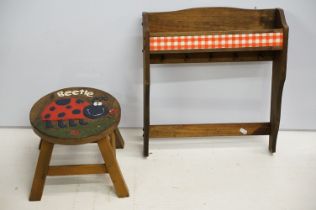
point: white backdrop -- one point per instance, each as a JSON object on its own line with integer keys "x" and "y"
{"x": 47, "y": 45}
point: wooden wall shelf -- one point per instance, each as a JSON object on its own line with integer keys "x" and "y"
{"x": 204, "y": 35}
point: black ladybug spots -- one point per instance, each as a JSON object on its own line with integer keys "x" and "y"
{"x": 63, "y": 101}
{"x": 47, "y": 116}
{"x": 52, "y": 108}
{"x": 61, "y": 114}
{"x": 79, "y": 101}
{"x": 76, "y": 111}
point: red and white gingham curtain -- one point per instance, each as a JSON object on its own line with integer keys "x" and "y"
{"x": 217, "y": 41}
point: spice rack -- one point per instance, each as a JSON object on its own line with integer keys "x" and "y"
{"x": 203, "y": 35}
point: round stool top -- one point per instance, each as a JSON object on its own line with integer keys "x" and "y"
{"x": 75, "y": 115}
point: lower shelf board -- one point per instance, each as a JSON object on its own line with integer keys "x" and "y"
{"x": 200, "y": 130}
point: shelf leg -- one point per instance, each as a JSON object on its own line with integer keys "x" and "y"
{"x": 146, "y": 120}
{"x": 146, "y": 95}
{"x": 278, "y": 79}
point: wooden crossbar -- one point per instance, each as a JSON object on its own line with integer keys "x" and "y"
{"x": 200, "y": 130}
{"x": 202, "y": 57}
{"x": 76, "y": 169}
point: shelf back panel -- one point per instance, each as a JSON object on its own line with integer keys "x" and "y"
{"x": 211, "y": 19}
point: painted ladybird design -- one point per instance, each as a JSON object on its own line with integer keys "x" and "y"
{"x": 72, "y": 110}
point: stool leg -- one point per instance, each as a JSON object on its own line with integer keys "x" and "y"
{"x": 113, "y": 143}
{"x": 119, "y": 139}
{"x": 40, "y": 144}
{"x": 41, "y": 171}
{"x": 113, "y": 167}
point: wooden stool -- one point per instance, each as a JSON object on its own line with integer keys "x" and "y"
{"x": 77, "y": 116}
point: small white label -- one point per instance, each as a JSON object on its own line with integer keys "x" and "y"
{"x": 243, "y": 131}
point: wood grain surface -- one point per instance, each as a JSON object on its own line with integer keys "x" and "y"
{"x": 199, "y": 21}
{"x": 99, "y": 115}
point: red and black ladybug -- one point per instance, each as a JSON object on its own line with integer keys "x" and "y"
{"x": 73, "y": 109}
